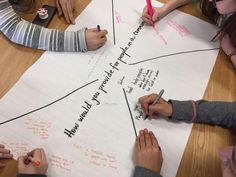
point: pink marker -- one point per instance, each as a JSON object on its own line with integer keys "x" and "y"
{"x": 150, "y": 10}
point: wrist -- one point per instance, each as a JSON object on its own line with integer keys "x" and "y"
{"x": 232, "y": 54}
{"x": 170, "y": 111}
{"x": 233, "y": 59}
{"x": 165, "y": 9}
{"x": 30, "y": 175}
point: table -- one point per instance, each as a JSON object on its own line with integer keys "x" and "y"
{"x": 200, "y": 157}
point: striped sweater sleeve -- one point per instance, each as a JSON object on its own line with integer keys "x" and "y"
{"x": 34, "y": 36}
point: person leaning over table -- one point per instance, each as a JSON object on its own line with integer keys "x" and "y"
{"x": 145, "y": 159}
{"x": 221, "y": 12}
{"x": 19, "y": 31}
{"x": 148, "y": 155}
{"x": 25, "y": 167}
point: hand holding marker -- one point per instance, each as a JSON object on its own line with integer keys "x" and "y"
{"x": 98, "y": 28}
{"x": 150, "y": 10}
{"x": 156, "y": 100}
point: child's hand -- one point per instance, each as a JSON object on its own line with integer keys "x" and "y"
{"x": 162, "y": 108}
{"x": 226, "y": 45}
{"x": 95, "y": 39}
{"x": 66, "y": 7}
{"x": 157, "y": 15}
{"x": 148, "y": 151}
{"x": 4, "y": 154}
{"x": 228, "y": 48}
{"x": 26, "y": 164}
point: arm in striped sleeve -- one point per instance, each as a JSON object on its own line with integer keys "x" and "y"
{"x": 34, "y": 36}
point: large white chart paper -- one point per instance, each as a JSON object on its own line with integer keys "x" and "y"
{"x": 78, "y": 106}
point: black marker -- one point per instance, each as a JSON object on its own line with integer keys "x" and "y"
{"x": 98, "y": 28}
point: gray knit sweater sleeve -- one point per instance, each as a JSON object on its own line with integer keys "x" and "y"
{"x": 144, "y": 172}
{"x": 216, "y": 113}
{"x": 30, "y": 35}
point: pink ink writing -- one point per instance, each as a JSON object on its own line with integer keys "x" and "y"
{"x": 118, "y": 17}
{"x": 160, "y": 35}
{"x": 180, "y": 29}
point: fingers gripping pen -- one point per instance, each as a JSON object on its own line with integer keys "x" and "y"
{"x": 150, "y": 10}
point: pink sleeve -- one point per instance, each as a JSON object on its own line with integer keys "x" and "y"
{"x": 228, "y": 159}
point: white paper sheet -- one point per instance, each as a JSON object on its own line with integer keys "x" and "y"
{"x": 83, "y": 93}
